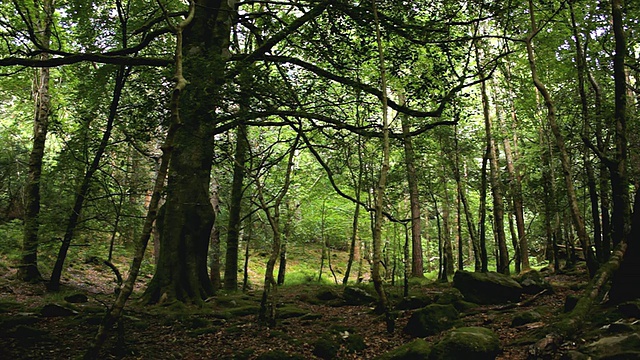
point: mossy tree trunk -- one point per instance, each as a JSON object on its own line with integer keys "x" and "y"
{"x": 185, "y": 227}
{"x": 28, "y": 270}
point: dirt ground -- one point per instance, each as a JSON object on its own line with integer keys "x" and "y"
{"x": 226, "y": 327}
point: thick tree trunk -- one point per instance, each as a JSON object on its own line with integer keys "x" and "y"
{"x": 621, "y": 215}
{"x": 233, "y": 229}
{"x": 115, "y": 312}
{"x": 625, "y": 282}
{"x": 28, "y": 270}
{"x": 181, "y": 273}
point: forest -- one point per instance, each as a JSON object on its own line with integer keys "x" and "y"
{"x": 295, "y": 179}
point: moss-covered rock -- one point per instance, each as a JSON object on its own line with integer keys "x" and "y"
{"x": 413, "y": 302}
{"x": 449, "y": 296}
{"x": 525, "y": 318}
{"x": 615, "y": 347}
{"x": 278, "y": 355}
{"x": 326, "y": 347}
{"x": 431, "y": 320}
{"x": 532, "y": 282}
{"x": 356, "y": 296}
{"x": 467, "y": 343}
{"x": 487, "y": 288}
{"x": 415, "y": 350}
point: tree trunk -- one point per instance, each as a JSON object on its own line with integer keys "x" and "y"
{"x": 482, "y": 213}
{"x": 267, "y": 312}
{"x": 181, "y": 273}
{"x": 496, "y": 188}
{"x": 74, "y": 217}
{"x": 447, "y": 249}
{"x": 383, "y": 302}
{"x": 233, "y": 229}
{"x": 515, "y": 180}
{"x": 625, "y": 281}
{"x": 417, "y": 269}
{"x": 28, "y": 270}
{"x": 115, "y": 312}
{"x": 576, "y": 216}
{"x": 215, "y": 240}
{"x": 621, "y": 215}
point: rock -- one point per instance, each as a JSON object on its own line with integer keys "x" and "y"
{"x": 356, "y": 296}
{"x": 570, "y": 302}
{"x": 76, "y": 298}
{"x": 449, "y": 296}
{"x": 326, "y": 348}
{"x": 575, "y": 355}
{"x": 354, "y": 343}
{"x": 476, "y": 343}
{"x": 55, "y": 310}
{"x": 532, "y": 282}
{"x": 525, "y": 318}
{"x": 630, "y": 309}
{"x": 487, "y": 288}
{"x": 24, "y": 332}
{"x": 615, "y": 347}
{"x": 431, "y": 320}
{"x": 413, "y": 302}
{"x": 279, "y": 355}
{"x": 415, "y": 350}
{"x": 327, "y": 294}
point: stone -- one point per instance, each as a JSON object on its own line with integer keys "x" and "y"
{"x": 630, "y": 309}
{"x": 55, "y": 310}
{"x": 615, "y": 347}
{"x": 76, "y": 298}
{"x": 431, "y": 320}
{"x": 418, "y": 349}
{"x": 449, "y": 296}
{"x": 413, "y": 302}
{"x": 476, "y": 343}
{"x": 357, "y": 296}
{"x": 326, "y": 348}
{"x": 525, "y": 318}
{"x": 532, "y": 282}
{"x": 487, "y": 288}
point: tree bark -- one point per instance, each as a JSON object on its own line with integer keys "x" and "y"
{"x": 417, "y": 269}
{"x": 383, "y": 302}
{"x": 235, "y": 208}
{"x": 181, "y": 273}
{"x": 74, "y": 217}
{"x": 576, "y": 216}
{"x": 28, "y": 270}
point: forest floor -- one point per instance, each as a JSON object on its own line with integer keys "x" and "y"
{"x": 226, "y": 327}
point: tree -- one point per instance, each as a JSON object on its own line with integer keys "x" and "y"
{"x": 28, "y": 270}
{"x": 576, "y": 216}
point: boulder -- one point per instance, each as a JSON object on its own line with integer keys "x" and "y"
{"x": 487, "y": 288}
{"x": 476, "y": 343}
{"x": 532, "y": 282}
{"x": 413, "y": 302}
{"x": 76, "y": 298}
{"x": 55, "y": 310}
{"x": 615, "y": 347}
{"x": 525, "y": 318}
{"x": 356, "y": 296}
{"x": 431, "y": 320}
{"x": 326, "y": 347}
{"x": 418, "y": 349}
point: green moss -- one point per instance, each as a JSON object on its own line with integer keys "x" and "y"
{"x": 415, "y": 350}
